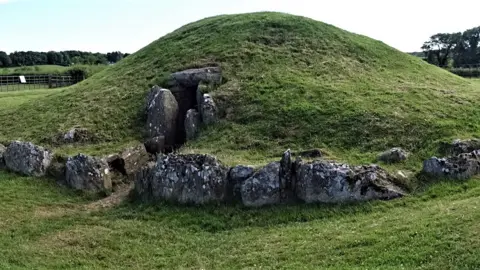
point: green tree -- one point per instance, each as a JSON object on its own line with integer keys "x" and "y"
{"x": 5, "y": 60}
{"x": 439, "y": 48}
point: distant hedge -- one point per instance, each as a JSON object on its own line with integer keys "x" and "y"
{"x": 466, "y": 72}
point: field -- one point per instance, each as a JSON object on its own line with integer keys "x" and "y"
{"x": 47, "y": 69}
{"x": 290, "y": 82}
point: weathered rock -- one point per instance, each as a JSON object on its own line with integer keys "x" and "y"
{"x": 325, "y": 182}
{"x": 2, "y": 160}
{"x": 393, "y": 155}
{"x": 134, "y": 158}
{"x": 285, "y": 174}
{"x": 192, "y": 77}
{"x": 209, "y": 110}
{"x": 458, "y": 147}
{"x": 155, "y": 145}
{"x": 192, "y": 124}
{"x": 88, "y": 174}
{"x": 162, "y": 111}
{"x": 77, "y": 135}
{"x": 312, "y": 153}
{"x": 27, "y": 158}
{"x": 459, "y": 167}
{"x": 186, "y": 179}
{"x": 56, "y": 170}
{"x": 236, "y": 177}
{"x": 263, "y": 188}
{"x": 201, "y": 89}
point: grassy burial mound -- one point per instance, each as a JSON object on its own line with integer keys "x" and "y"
{"x": 289, "y": 82}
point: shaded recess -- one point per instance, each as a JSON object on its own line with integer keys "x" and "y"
{"x": 184, "y": 86}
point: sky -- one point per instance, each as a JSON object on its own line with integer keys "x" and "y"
{"x": 129, "y": 25}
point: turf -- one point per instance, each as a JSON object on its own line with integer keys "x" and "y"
{"x": 46, "y": 227}
{"x": 291, "y": 82}
{"x": 47, "y": 69}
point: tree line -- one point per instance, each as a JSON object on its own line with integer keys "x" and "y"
{"x": 454, "y": 49}
{"x": 63, "y": 58}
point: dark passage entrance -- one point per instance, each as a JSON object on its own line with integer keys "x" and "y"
{"x": 186, "y": 99}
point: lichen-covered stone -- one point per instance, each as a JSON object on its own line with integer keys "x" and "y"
{"x": 162, "y": 110}
{"x": 155, "y": 145}
{"x": 88, "y": 173}
{"x": 192, "y": 124}
{"x": 185, "y": 179}
{"x": 263, "y": 188}
{"x": 458, "y": 147}
{"x": 459, "y": 167}
{"x": 27, "y": 158}
{"x": 393, "y": 155}
{"x": 325, "y": 182}
{"x": 209, "y": 110}
{"x": 236, "y": 177}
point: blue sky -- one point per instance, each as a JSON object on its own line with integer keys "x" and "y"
{"x": 128, "y": 25}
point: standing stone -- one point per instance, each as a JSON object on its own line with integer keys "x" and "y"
{"x": 27, "y": 158}
{"x": 162, "y": 111}
{"x": 185, "y": 179}
{"x": 393, "y": 155}
{"x": 201, "y": 89}
{"x": 324, "y": 182}
{"x": 236, "y": 177}
{"x": 2, "y": 159}
{"x": 88, "y": 174}
{"x": 155, "y": 145}
{"x": 209, "y": 110}
{"x": 192, "y": 123}
{"x": 263, "y": 188}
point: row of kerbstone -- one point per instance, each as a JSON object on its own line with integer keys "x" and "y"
{"x": 81, "y": 172}
{"x": 202, "y": 179}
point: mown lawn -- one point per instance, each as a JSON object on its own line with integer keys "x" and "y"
{"x": 43, "y": 226}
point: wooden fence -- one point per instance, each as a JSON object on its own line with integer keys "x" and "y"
{"x": 27, "y": 82}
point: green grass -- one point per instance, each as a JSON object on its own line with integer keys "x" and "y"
{"x": 291, "y": 82}
{"x": 47, "y": 69}
{"x": 13, "y": 99}
{"x": 46, "y": 227}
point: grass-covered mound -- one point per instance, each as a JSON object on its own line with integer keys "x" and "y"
{"x": 290, "y": 82}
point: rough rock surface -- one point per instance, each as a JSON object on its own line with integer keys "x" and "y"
{"x": 459, "y": 167}
{"x": 192, "y": 77}
{"x": 458, "y": 147}
{"x": 325, "y": 182}
{"x": 27, "y": 158}
{"x": 236, "y": 177}
{"x": 155, "y": 145}
{"x": 209, "y": 110}
{"x": 77, "y": 135}
{"x": 186, "y": 179}
{"x": 2, "y": 160}
{"x": 192, "y": 124}
{"x": 285, "y": 174}
{"x": 134, "y": 158}
{"x": 393, "y": 155}
{"x": 87, "y": 173}
{"x": 162, "y": 111}
{"x": 263, "y": 188}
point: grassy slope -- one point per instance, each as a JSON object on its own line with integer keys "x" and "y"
{"x": 44, "y": 227}
{"x": 291, "y": 82}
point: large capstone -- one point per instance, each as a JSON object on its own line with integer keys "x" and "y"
{"x": 192, "y": 124}
{"x": 162, "y": 111}
{"x": 192, "y": 77}
{"x": 459, "y": 167}
{"x": 209, "y": 110}
{"x": 27, "y": 158}
{"x": 325, "y": 182}
{"x": 2, "y": 159}
{"x": 263, "y": 188}
{"x": 88, "y": 173}
{"x": 185, "y": 179}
